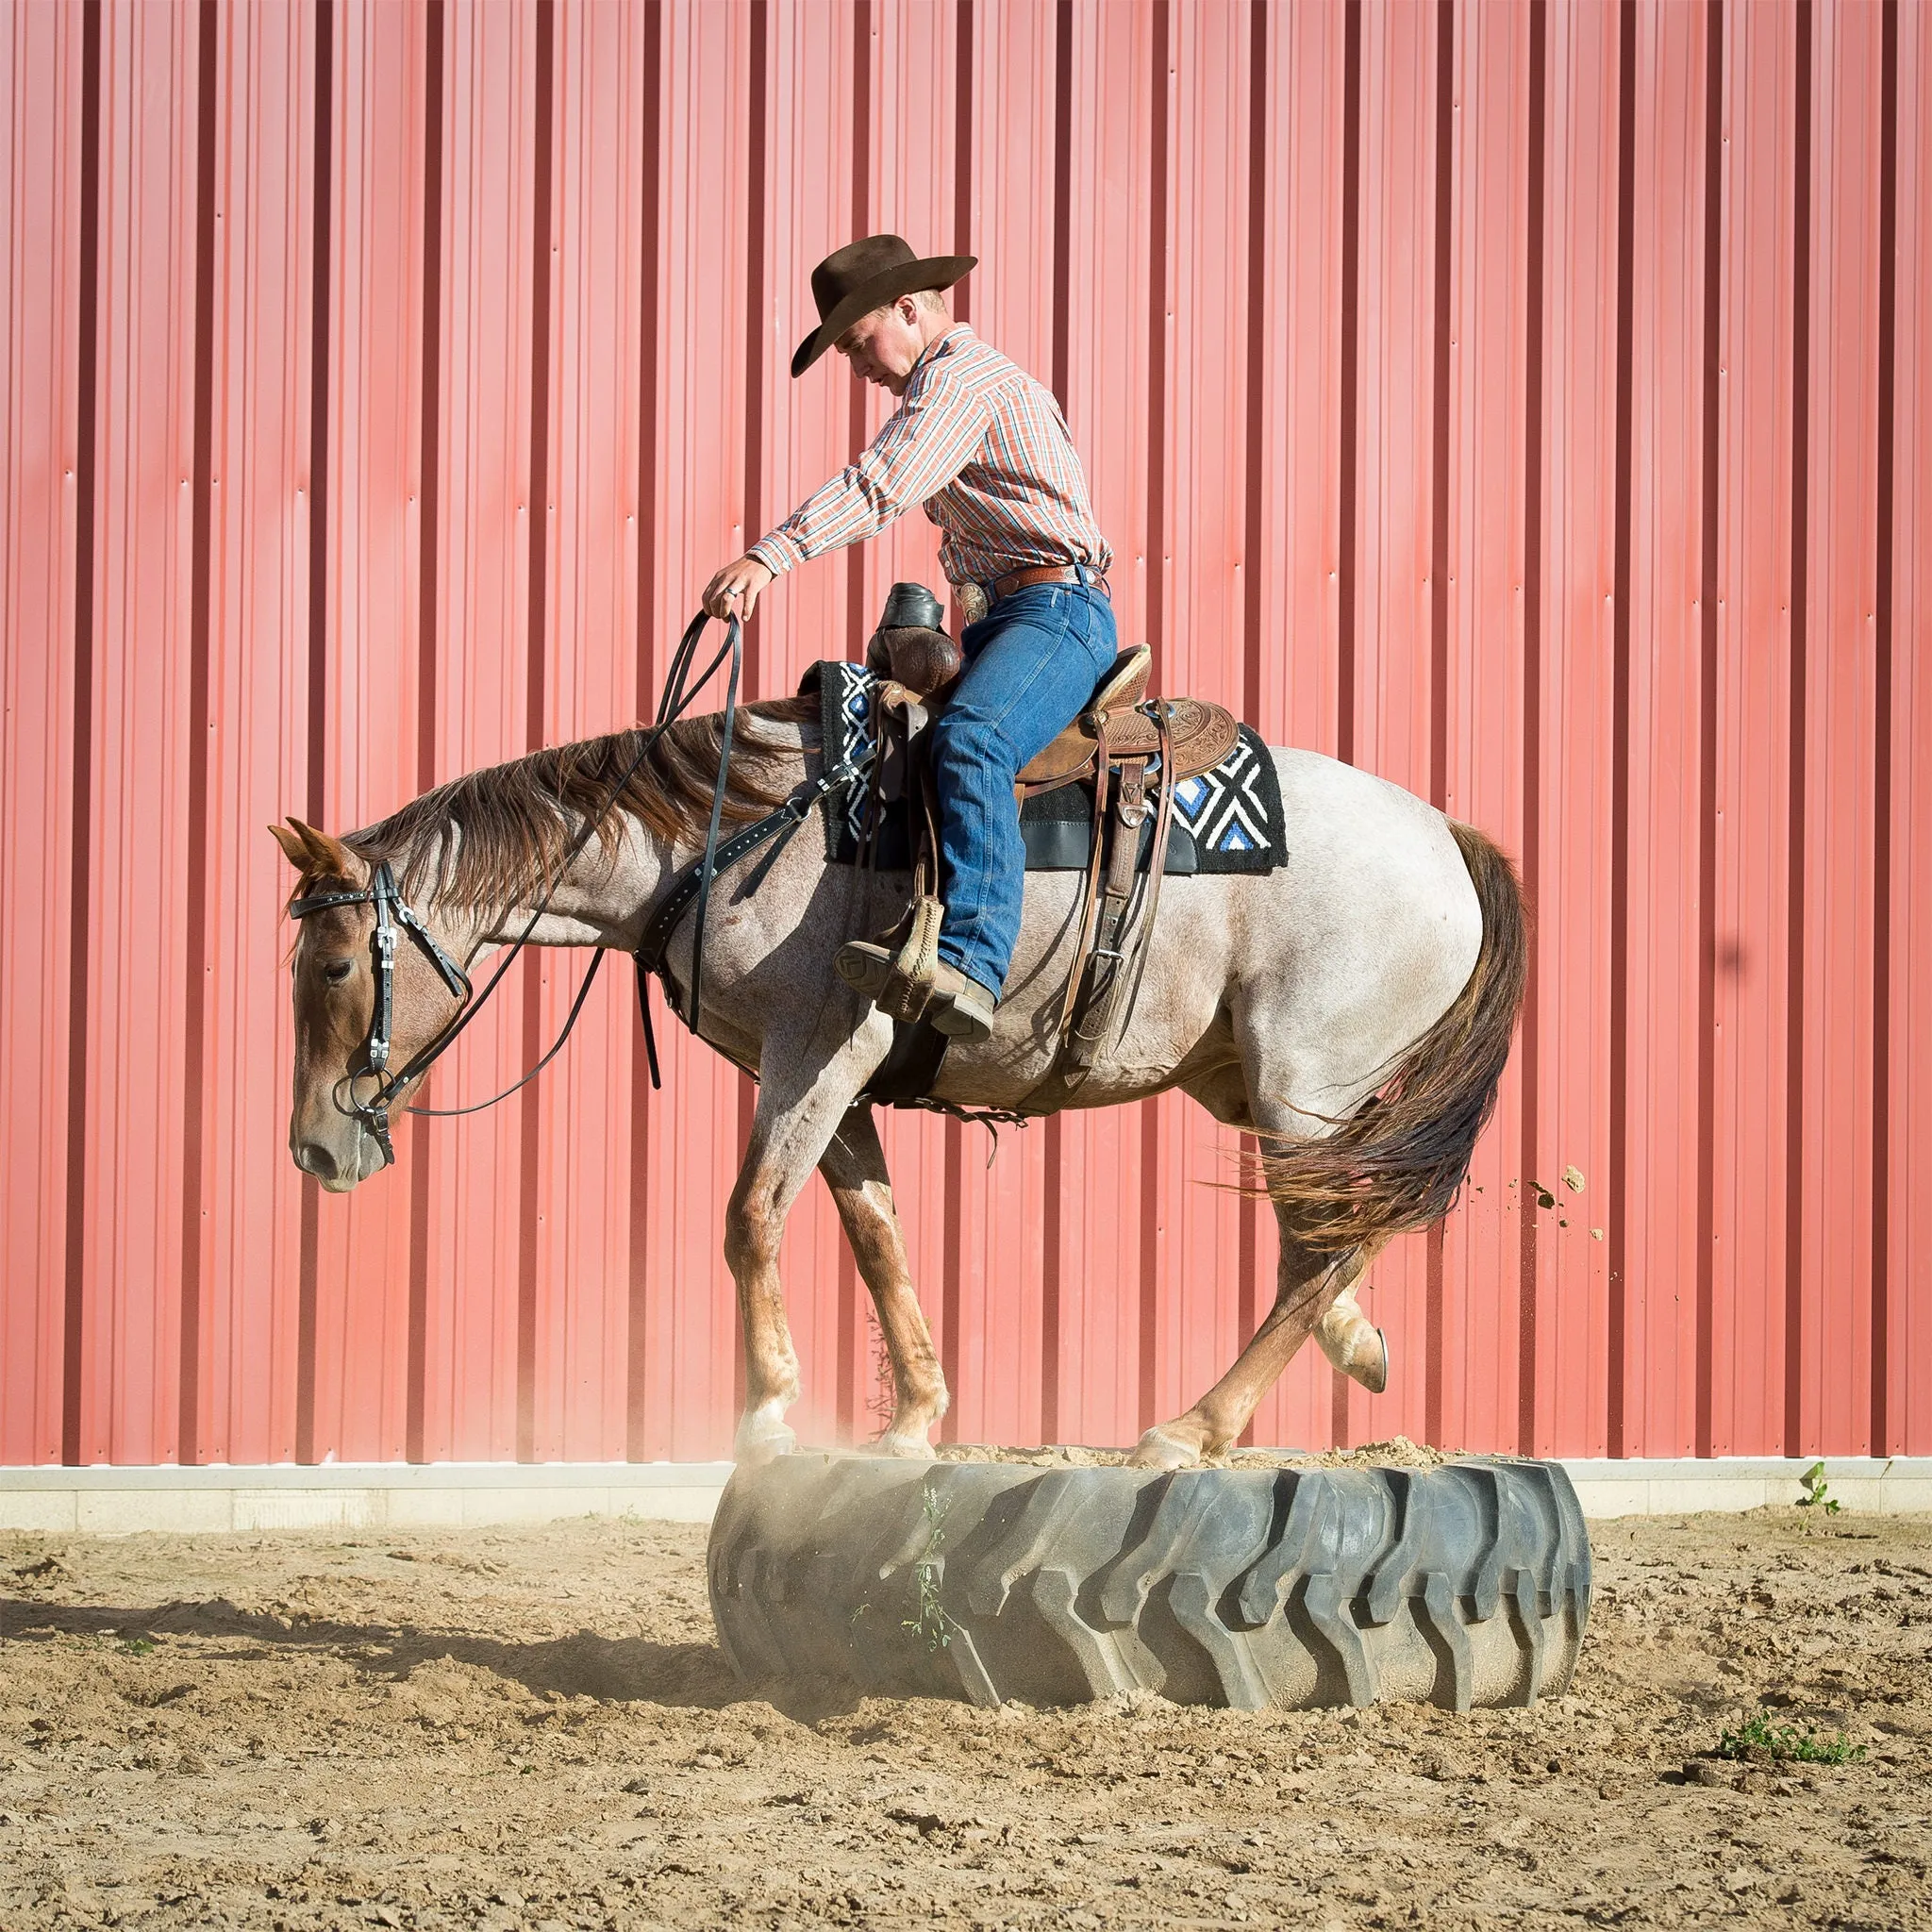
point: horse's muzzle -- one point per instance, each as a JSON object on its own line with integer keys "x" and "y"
{"x": 335, "y": 1172}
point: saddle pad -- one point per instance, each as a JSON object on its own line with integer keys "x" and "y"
{"x": 1225, "y": 820}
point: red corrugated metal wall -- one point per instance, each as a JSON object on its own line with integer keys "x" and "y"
{"x": 1531, "y": 402}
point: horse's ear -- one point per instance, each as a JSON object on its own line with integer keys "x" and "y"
{"x": 319, "y": 856}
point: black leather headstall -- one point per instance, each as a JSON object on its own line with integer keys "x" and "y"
{"x": 392, "y": 912}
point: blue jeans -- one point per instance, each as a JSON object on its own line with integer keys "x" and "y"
{"x": 1031, "y": 665}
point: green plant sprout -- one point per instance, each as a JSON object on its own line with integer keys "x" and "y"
{"x": 1815, "y": 1494}
{"x": 932, "y": 1624}
{"x": 884, "y": 1398}
{"x": 1758, "y": 1741}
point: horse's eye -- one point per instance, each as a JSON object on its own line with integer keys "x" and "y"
{"x": 338, "y": 969}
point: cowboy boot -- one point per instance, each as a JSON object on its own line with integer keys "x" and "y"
{"x": 958, "y": 1007}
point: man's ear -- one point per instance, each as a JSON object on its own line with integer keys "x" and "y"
{"x": 318, "y": 855}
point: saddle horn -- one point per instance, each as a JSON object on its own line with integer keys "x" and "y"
{"x": 910, "y": 644}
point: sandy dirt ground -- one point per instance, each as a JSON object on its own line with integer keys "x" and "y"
{"x": 535, "y": 1728}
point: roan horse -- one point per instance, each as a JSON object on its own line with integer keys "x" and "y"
{"x": 1353, "y": 1008}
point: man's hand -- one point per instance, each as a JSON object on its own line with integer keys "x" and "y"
{"x": 741, "y": 580}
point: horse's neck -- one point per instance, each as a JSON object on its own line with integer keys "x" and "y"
{"x": 606, "y": 896}
{"x": 603, "y": 900}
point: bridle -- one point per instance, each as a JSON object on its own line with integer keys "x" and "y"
{"x": 692, "y": 886}
{"x": 393, "y": 913}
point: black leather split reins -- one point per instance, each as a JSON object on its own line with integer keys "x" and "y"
{"x": 392, "y": 913}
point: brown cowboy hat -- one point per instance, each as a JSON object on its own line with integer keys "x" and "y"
{"x": 863, "y": 275}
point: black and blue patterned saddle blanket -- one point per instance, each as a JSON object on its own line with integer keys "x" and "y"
{"x": 1225, "y": 820}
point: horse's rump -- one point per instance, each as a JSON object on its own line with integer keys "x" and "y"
{"x": 1400, "y": 1160}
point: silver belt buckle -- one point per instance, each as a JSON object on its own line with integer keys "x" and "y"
{"x": 971, "y": 602}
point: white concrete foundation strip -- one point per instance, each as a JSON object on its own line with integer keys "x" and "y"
{"x": 343, "y": 1495}
{"x": 117, "y": 1500}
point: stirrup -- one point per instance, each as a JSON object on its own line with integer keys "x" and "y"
{"x": 902, "y": 985}
{"x": 864, "y": 966}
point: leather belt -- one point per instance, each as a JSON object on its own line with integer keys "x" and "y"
{"x": 975, "y": 600}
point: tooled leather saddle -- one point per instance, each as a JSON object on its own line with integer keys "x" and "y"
{"x": 1120, "y": 740}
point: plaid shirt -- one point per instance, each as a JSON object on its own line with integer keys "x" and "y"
{"x": 985, "y": 448}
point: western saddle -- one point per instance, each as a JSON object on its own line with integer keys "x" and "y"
{"x": 1119, "y": 738}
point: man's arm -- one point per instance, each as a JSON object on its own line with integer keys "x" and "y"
{"x": 924, "y": 444}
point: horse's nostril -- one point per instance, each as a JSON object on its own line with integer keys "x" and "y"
{"x": 311, "y": 1156}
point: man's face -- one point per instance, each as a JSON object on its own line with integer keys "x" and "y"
{"x": 883, "y": 346}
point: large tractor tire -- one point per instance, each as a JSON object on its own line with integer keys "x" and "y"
{"x": 1464, "y": 1585}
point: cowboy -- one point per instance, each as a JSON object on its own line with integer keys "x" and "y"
{"x": 985, "y": 449}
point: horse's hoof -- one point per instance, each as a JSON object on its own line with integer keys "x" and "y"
{"x": 1374, "y": 1374}
{"x": 1354, "y": 1345}
{"x": 1156, "y": 1449}
{"x": 762, "y": 1438}
{"x": 910, "y": 1448}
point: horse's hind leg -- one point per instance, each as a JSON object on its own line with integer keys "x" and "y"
{"x": 853, "y": 1166}
{"x": 1307, "y": 1285}
{"x": 1312, "y": 1296}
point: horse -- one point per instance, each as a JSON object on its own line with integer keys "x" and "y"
{"x": 1352, "y": 1008}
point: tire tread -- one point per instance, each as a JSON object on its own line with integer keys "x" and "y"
{"x": 1466, "y": 1584}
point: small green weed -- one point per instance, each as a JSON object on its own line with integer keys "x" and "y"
{"x": 1815, "y": 1494}
{"x": 883, "y": 1402}
{"x": 1757, "y": 1740}
{"x": 137, "y": 1646}
{"x": 932, "y": 1624}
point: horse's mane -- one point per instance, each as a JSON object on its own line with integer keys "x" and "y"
{"x": 488, "y": 838}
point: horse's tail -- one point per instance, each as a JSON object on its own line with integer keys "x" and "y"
{"x": 1400, "y": 1160}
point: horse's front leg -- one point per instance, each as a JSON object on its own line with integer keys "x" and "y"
{"x": 799, "y": 1108}
{"x": 853, "y": 1166}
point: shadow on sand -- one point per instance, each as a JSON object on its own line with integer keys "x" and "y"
{"x": 612, "y": 1669}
